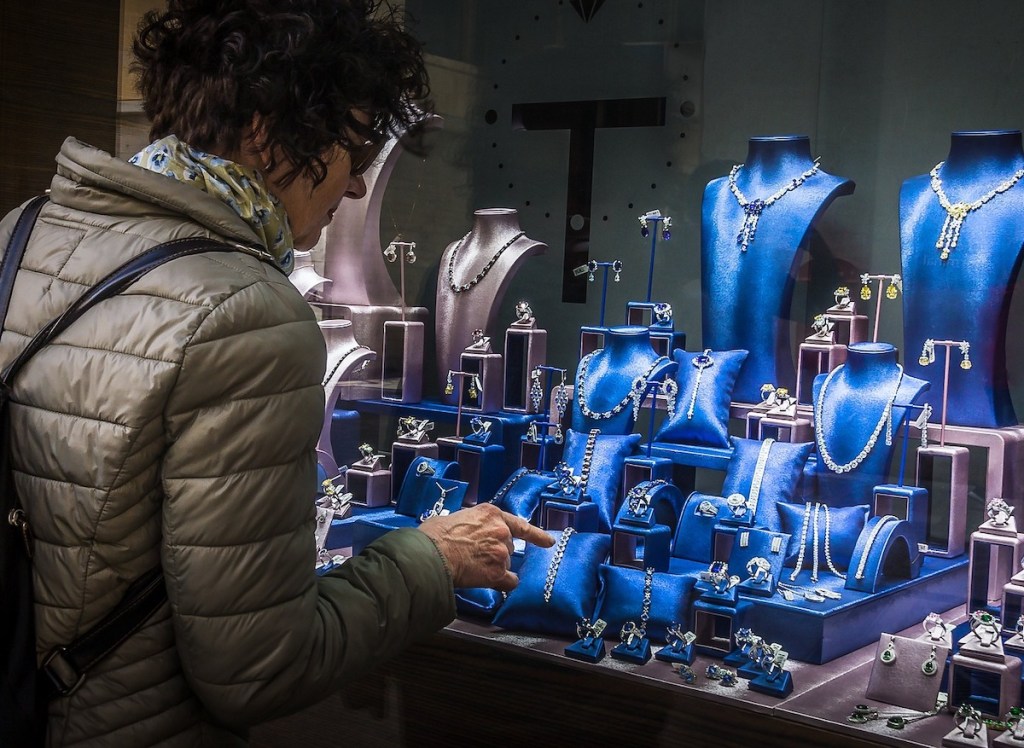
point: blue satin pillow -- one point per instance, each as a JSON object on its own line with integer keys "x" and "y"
{"x": 610, "y": 453}
{"x": 622, "y": 597}
{"x": 709, "y": 426}
{"x": 520, "y": 494}
{"x": 845, "y": 525}
{"x": 573, "y": 595}
{"x": 695, "y": 532}
{"x": 781, "y": 476}
{"x": 477, "y": 601}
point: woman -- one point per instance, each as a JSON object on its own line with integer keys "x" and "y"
{"x": 175, "y": 425}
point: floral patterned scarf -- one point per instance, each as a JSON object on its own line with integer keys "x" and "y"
{"x": 242, "y": 189}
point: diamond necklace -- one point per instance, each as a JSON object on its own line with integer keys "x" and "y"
{"x": 819, "y": 429}
{"x": 752, "y": 209}
{"x": 581, "y": 397}
{"x": 956, "y": 213}
{"x": 460, "y": 287}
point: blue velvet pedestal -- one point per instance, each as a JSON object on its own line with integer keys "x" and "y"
{"x": 368, "y": 528}
{"x": 639, "y": 653}
{"x": 676, "y": 654}
{"x": 909, "y": 503}
{"x": 559, "y": 510}
{"x": 638, "y": 469}
{"x": 780, "y": 686}
{"x": 715, "y": 620}
{"x": 581, "y": 649}
{"x": 892, "y": 554}
{"x": 481, "y": 466}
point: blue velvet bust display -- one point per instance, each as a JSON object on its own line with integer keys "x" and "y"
{"x": 967, "y": 296}
{"x": 627, "y": 354}
{"x": 746, "y": 296}
{"x": 855, "y": 401}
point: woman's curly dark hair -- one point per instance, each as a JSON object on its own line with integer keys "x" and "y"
{"x": 205, "y": 67}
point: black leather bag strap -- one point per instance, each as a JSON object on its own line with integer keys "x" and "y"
{"x": 16, "y": 250}
{"x": 113, "y": 284}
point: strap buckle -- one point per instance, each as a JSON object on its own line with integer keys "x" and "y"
{"x": 62, "y": 673}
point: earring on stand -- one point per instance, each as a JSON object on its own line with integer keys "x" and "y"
{"x": 666, "y": 224}
{"x": 894, "y": 288}
{"x": 536, "y": 390}
{"x": 930, "y": 666}
{"x": 644, "y": 231}
{"x": 927, "y": 353}
{"x": 617, "y": 269}
{"x": 391, "y": 252}
{"x": 474, "y": 387}
{"x": 559, "y": 436}
{"x": 636, "y": 394}
{"x": 410, "y": 253}
{"x": 670, "y": 389}
{"x": 561, "y": 397}
{"x": 865, "y": 288}
{"x": 591, "y": 269}
{"x": 449, "y": 387}
{"x": 965, "y": 350}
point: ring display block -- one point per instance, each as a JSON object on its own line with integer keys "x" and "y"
{"x": 370, "y": 488}
{"x": 715, "y": 625}
{"x": 814, "y": 359}
{"x": 1012, "y": 607}
{"x": 991, "y": 686}
{"x": 489, "y": 368}
{"x": 942, "y": 471}
{"x": 677, "y": 653}
{"x": 447, "y": 447}
{"x": 401, "y": 377}
{"x": 637, "y": 652}
{"x": 525, "y": 349}
{"x": 778, "y": 685}
{"x": 641, "y": 547}
{"x": 402, "y": 455}
{"x": 591, "y": 338}
{"x": 558, "y": 515}
{"x": 481, "y": 467}
{"x": 532, "y": 452}
{"x": 587, "y": 650}
{"x": 903, "y": 502}
{"x": 995, "y": 554}
{"x": 847, "y": 328}
{"x": 784, "y": 428}
{"x": 636, "y": 470}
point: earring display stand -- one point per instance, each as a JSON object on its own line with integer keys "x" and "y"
{"x": 538, "y": 449}
{"x": 592, "y": 337}
{"x": 903, "y": 681}
{"x": 526, "y": 348}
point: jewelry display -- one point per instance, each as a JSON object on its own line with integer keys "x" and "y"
{"x": 686, "y": 673}
{"x": 481, "y": 429}
{"x": 842, "y": 297}
{"x": 888, "y": 655}
{"x": 581, "y": 396}
{"x": 759, "y": 570}
{"x": 670, "y": 390}
{"x": 968, "y": 721}
{"x": 510, "y": 483}
{"x": 819, "y": 509}
{"x": 588, "y": 459}
{"x": 438, "y": 510}
{"x": 956, "y": 213}
{"x": 892, "y": 291}
{"x": 462, "y": 287}
{"x": 556, "y": 562}
{"x": 341, "y": 359}
{"x": 930, "y": 666}
{"x": 752, "y": 209}
{"x": 936, "y": 629}
{"x": 635, "y": 647}
{"x": 588, "y": 632}
{"x": 701, "y": 362}
{"x": 561, "y": 397}
{"x": 884, "y": 421}
{"x": 790, "y": 592}
{"x": 424, "y": 468}
{"x": 759, "y": 469}
{"x": 871, "y": 542}
{"x": 965, "y": 352}
{"x": 862, "y": 714}
{"x": 449, "y": 386}
{"x": 536, "y": 390}
{"x": 706, "y": 509}
{"x": 822, "y": 326}
{"x": 414, "y": 429}
{"x": 679, "y": 647}
{"x": 480, "y": 342}
{"x": 369, "y": 457}
{"x": 335, "y": 498}
{"x": 719, "y": 578}
{"x": 662, "y": 313}
{"x": 566, "y": 480}
{"x": 999, "y": 512}
{"x": 1015, "y": 724}
{"x": 767, "y": 395}
{"x": 638, "y": 500}
{"x": 783, "y": 403}
{"x": 737, "y": 505}
{"x": 927, "y": 353}
{"x": 558, "y": 436}
{"x": 524, "y": 314}
{"x": 985, "y": 627}
{"x": 773, "y": 661}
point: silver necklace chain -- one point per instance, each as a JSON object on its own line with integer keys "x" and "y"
{"x": 334, "y": 369}
{"x": 581, "y": 396}
{"x": 870, "y": 542}
{"x": 819, "y": 429}
{"x": 460, "y": 287}
{"x": 509, "y": 484}
{"x": 645, "y": 613}
{"x": 752, "y": 209}
{"x": 956, "y": 213}
{"x": 818, "y": 507}
{"x": 556, "y": 561}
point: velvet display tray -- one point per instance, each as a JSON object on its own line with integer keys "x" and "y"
{"x": 820, "y": 632}
{"x": 823, "y": 695}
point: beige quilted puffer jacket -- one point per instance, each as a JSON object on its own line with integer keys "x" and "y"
{"x": 176, "y": 424}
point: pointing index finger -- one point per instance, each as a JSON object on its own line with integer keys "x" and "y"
{"x": 520, "y": 528}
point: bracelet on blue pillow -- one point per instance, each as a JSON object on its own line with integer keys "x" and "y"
{"x": 622, "y": 597}
{"x": 558, "y": 586}
{"x": 606, "y": 463}
{"x": 777, "y": 482}
{"x": 520, "y": 494}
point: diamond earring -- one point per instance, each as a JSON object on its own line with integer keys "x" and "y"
{"x": 888, "y": 655}
{"x": 965, "y": 349}
{"x": 449, "y": 387}
{"x": 865, "y": 289}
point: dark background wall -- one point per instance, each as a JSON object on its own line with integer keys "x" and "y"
{"x": 58, "y": 77}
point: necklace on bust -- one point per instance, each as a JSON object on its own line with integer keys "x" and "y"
{"x": 460, "y": 287}
{"x": 581, "y": 396}
{"x": 956, "y": 213}
{"x": 752, "y": 209}
{"x": 819, "y": 429}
